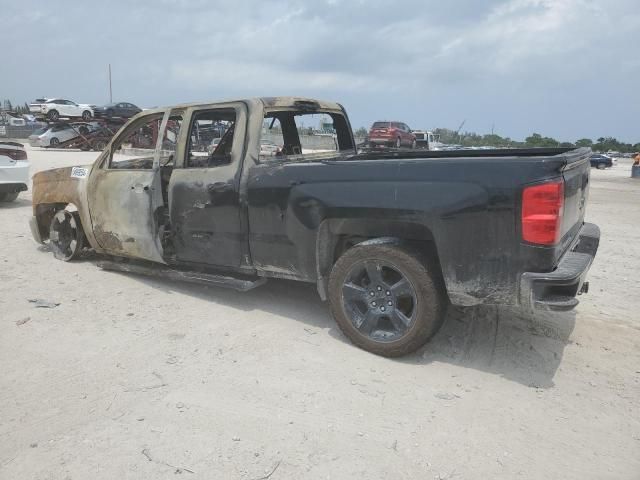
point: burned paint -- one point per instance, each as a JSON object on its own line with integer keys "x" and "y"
{"x": 57, "y": 189}
{"x": 108, "y": 240}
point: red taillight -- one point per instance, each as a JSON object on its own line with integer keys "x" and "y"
{"x": 542, "y": 209}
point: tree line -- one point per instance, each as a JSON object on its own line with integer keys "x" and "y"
{"x": 472, "y": 139}
{"x": 19, "y": 109}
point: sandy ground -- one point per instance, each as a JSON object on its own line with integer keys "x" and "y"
{"x": 131, "y": 377}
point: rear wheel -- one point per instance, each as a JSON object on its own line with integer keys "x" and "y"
{"x": 8, "y": 197}
{"x": 66, "y": 237}
{"x": 398, "y": 143}
{"x": 385, "y": 299}
{"x": 54, "y": 141}
{"x": 110, "y": 113}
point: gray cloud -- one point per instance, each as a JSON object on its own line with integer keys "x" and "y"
{"x": 566, "y": 68}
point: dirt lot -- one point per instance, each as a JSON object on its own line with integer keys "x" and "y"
{"x": 131, "y": 377}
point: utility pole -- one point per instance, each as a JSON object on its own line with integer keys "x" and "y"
{"x": 110, "y": 93}
{"x": 460, "y": 128}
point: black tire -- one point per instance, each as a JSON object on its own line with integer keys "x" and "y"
{"x": 109, "y": 113}
{"x": 425, "y": 302}
{"x": 54, "y": 141}
{"x": 86, "y": 115}
{"x": 399, "y": 143}
{"x": 9, "y": 197}
{"x": 601, "y": 166}
{"x": 53, "y": 115}
{"x": 66, "y": 237}
{"x": 414, "y": 144}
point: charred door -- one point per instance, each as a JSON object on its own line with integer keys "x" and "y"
{"x": 204, "y": 195}
{"x": 125, "y": 193}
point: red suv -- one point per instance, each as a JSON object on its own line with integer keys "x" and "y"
{"x": 392, "y": 134}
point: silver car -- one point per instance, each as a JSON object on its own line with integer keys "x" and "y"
{"x": 14, "y": 170}
{"x": 59, "y": 133}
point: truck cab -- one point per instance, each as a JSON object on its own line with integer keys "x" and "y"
{"x": 427, "y": 140}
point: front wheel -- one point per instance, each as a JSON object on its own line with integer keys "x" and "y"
{"x": 386, "y": 299}
{"x": 86, "y": 115}
{"x": 601, "y": 166}
{"x": 66, "y": 237}
{"x": 53, "y": 115}
{"x": 414, "y": 144}
{"x": 54, "y": 141}
{"x": 398, "y": 143}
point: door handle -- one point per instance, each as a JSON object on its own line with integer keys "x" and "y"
{"x": 219, "y": 187}
{"x": 138, "y": 188}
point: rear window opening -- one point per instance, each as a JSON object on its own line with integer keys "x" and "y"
{"x": 381, "y": 125}
{"x": 295, "y": 135}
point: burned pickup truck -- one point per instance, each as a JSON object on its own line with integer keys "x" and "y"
{"x": 389, "y": 238}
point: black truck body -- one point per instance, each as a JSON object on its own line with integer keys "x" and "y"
{"x": 294, "y": 214}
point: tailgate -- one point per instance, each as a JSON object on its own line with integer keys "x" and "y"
{"x": 576, "y": 174}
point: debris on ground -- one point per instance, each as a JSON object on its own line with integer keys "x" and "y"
{"x": 178, "y": 470}
{"x": 268, "y": 475}
{"x": 22, "y": 321}
{"x": 446, "y": 396}
{"x": 40, "y": 303}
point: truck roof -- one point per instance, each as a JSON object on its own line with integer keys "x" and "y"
{"x": 267, "y": 102}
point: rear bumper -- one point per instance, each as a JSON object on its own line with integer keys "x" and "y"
{"x": 13, "y": 187}
{"x": 557, "y": 290}
{"x": 14, "y": 177}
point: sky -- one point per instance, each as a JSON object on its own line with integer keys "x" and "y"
{"x": 567, "y": 69}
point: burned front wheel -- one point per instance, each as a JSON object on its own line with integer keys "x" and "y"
{"x": 386, "y": 299}
{"x": 66, "y": 237}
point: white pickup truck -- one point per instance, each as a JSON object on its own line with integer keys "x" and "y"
{"x": 54, "y": 108}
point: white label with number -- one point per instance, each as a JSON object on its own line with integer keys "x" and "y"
{"x": 79, "y": 172}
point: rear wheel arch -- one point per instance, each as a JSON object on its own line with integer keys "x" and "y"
{"x": 386, "y": 297}
{"x": 335, "y": 237}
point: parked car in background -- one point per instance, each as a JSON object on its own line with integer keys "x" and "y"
{"x": 601, "y": 161}
{"x": 54, "y": 108}
{"x": 14, "y": 170}
{"x": 12, "y": 119}
{"x": 428, "y": 140}
{"x": 391, "y": 134}
{"x": 53, "y": 135}
{"x": 268, "y": 148}
{"x": 121, "y": 110}
{"x": 213, "y": 145}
